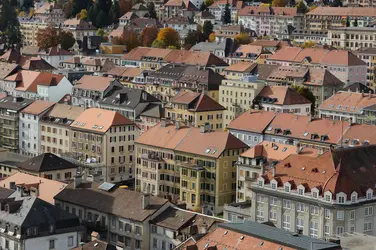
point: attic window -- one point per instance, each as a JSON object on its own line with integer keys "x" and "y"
{"x": 339, "y": 106}
{"x": 82, "y": 124}
{"x": 95, "y": 126}
{"x": 76, "y": 123}
{"x": 100, "y": 127}
{"x": 207, "y": 151}
{"x": 269, "y": 128}
{"x": 305, "y": 134}
{"x": 284, "y": 149}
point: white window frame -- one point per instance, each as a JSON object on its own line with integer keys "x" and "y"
{"x": 274, "y": 201}
{"x": 367, "y": 226}
{"x": 300, "y": 207}
{"x": 326, "y": 229}
{"x": 315, "y": 210}
{"x": 286, "y": 222}
{"x": 313, "y": 228}
{"x": 260, "y": 214}
{"x": 368, "y": 211}
{"x": 300, "y": 223}
{"x": 340, "y": 215}
{"x": 273, "y": 215}
{"x": 286, "y": 204}
{"x": 340, "y": 230}
{"x": 327, "y": 213}
{"x": 352, "y": 215}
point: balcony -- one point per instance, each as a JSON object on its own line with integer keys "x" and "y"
{"x": 152, "y": 157}
{"x": 9, "y": 117}
{"x": 189, "y": 164}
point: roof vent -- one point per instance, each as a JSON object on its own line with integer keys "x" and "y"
{"x": 242, "y": 237}
{"x": 315, "y": 170}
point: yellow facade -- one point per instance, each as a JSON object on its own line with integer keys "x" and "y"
{"x": 112, "y": 49}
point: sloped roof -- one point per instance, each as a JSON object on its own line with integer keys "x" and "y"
{"x": 37, "y": 107}
{"x": 284, "y": 95}
{"x": 46, "y": 162}
{"x": 243, "y": 122}
{"x": 98, "y": 83}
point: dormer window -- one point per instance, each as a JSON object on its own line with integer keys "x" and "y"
{"x": 287, "y": 187}
{"x": 260, "y": 182}
{"x": 301, "y": 190}
{"x": 341, "y": 198}
{"x": 274, "y": 184}
{"x": 369, "y": 194}
{"x": 315, "y": 194}
{"x": 354, "y": 197}
{"x": 328, "y": 197}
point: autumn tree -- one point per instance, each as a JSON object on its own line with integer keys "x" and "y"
{"x": 226, "y": 18}
{"x": 169, "y": 36}
{"x": 10, "y": 33}
{"x": 208, "y": 2}
{"x": 47, "y": 38}
{"x": 279, "y": 3}
{"x": 158, "y": 44}
{"x": 148, "y": 35}
{"x": 67, "y": 9}
{"x": 82, "y": 15}
{"x": 308, "y": 44}
{"x": 347, "y": 22}
{"x": 301, "y": 7}
{"x": 212, "y": 37}
{"x": 125, "y": 6}
{"x": 355, "y": 22}
{"x": 66, "y": 39}
{"x": 243, "y": 38}
{"x": 207, "y": 29}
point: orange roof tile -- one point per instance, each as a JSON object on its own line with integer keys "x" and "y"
{"x": 98, "y": 83}
{"x": 343, "y": 11}
{"x": 243, "y": 122}
{"x": 37, "y": 107}
{"x": 257, "y": 10}
{"x": 99, "y": 120}
{"x": 284, "y": 95}
{"x": 241, "y": 67}
{"x": 184, "y": 97}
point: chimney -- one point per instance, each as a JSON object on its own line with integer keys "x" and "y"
{"x": 146, "y": 198}
{"x": 77, "y": 180}
{"x": 95, "y": 236}
{"x": 177, "y": 125}
{"x": 205, "y": 128}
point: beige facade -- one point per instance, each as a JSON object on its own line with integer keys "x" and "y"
{"x": 56, "y": 175}
{"x": 237, "y": 96}
{"x": 29, "y": 30}
{"x": 352, "y": 38}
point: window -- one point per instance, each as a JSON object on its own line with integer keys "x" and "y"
{"x": 299, "y": 207}
{"x": 274, "y": 185}
{"x": 286, "y": 222}
{"x": 138, "y": 230}
{"x": 301, "y": 191}
{"x": 353, "y": 198}
{"x": 260, "y": 214}
{"x": 314, "y": 225}
{"x": 326, "y": 229}
{"x": 121, "y": 226}
{"x": 70, "y": 241}
{"x": 274, "y": 201}
{"x": 299, "y": 223}
{"x": 367, "y": 226}
{"x": 352, "y": 215}
{"x": 138, "y": 244}
{"x": 339, "y": 230}
{"x": 261, "y": 183}
{"x": 327, "y": 213}
{"x": 328, "y": 197}
{"x": 340, "y": 215}
{"x": 128, "y": 227}
{"x": 272, "y": 216}
{"x": 260, "y": 198}
{"x": 341, "y": 199}
{"x": 369, "y": 194}
{"x": 315, "y": 194}
{"x": 52, "y": 244}
{"x": 314, "y": 210}
{"x": 368, "y": 211}
{"x": 287, "y": 188}
{"x": 155, "y": 243}
{"x": 286, "y": 204}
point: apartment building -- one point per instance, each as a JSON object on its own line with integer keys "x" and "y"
{"x": 329, "y": 198}
{"x": 79, "y": 28}
{"x": 90, "y": 64}
{"x": 29, "y": 127}
{"x": 37, "y": 85}
{"x": 31, "y": 223}
{"x": 55, "y": 128}
{"x": 341, "y": 63}
{"x": 165, "y": 82}
{"x": 362, "y": 3}
{"x": 350, "y": 106}
{"x": 223, "y": 32}
{"x": 195, "y": 165}
{"x": 9, "y": 161}
{"x": 195, "y": 109}
{"x": 10, "y": 108}
{"x": 49, "y": 166}
{"x": 29, "y": 28}
{"x": 248, "y": 53}
{"x": 217, "y": 9}
{"x": 181, "y": 24}
{"x": 324, "y": 18}
{"x": 368, "y": 55}
{"x": 352, "y": 38}
{"x": 238, "y": 90}
{"x": 50, "y": 13}
{"x": 120, "y": 216}
{"x": 269, "y": 21}
{"x": 174, "y": 8}
{"x": 106, "y": 138}
{"x": 283, "y": 99}
{"x": 155, "y": 58}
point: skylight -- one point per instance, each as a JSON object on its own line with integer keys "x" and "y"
{"x": 207, "y": 151}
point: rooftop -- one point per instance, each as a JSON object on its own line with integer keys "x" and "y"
{"x": 46, "y": 162}
{"x": 343, "y": 11}
{"x": 37, "y": 107}
{"x": 14, "y": 103}
{"x": 97, "y": 83}
{"x": 196, "y": 102}
{"x": 281, "y": 95}
{"x": 262, "y": 10}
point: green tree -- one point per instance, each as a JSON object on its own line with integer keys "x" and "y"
{"x": 207, "y": 29}
{"x": 10, "y": 33}
{"x": 356, "y": 22}
{"x": 78, "y": 5}
{"x": 101, "y": 19}
{"x": 66, "y": 39}
{"x": 305, "y": 92}
{"x": 115, "y": 12}
{"x": 104, "y": 5}
{"x": 203, "y": 6}
{"x": 243, "y": 38}
{"x": 227, "y": 14}
{"x": 92, "y": 15}
{"x": 347, "y": 22}
{"x": 192, "y": 38}
{"x": 159, "y": 44}
{"x": 208, "y": 2}
{"x": 151, "y": 11}
{"x": 301, "y": 7}
{"x": 100, "y": 32}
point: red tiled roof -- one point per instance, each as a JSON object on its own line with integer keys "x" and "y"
{"x": 261, "y": 119}
{"x": 343, "y": 11}
{"x": 205, "y": 103}
{"x": 257, "y": 10}
{"x": 37, "y": 107}
{"x": 284, "y": 95}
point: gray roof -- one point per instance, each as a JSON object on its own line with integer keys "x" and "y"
{"x": 46, "y": 162}
{"x": 277, "y": 235}
{"x": 15, "y": 103}
{"x": 209, "y": 47}
{"x": 96, "y": 245}
{"x": 12, "y": 159}
{"x": 154, "y": 111}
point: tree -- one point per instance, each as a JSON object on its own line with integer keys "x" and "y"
{"x": 78, "y": 5}
{"x": 212, "y": 37}
{"x": 151, "y": 10}
{"x": 47, "y": 38}
{"x": 243, "y": 38}
{"x": 347, "y": 22}
{"x": 148, "y": 35}
{"x": 67, "y": 9}
{"x": 227, "y": 14}
{"x": 159, "y": 44}
{"x": 132, "y": 41}
{"x": 31, "y": 12}
{"x": 83, "y": 14}
{"x": 301, "y": 7}
{"x": 305, "y": 92}
{"x": 169, "y": 36}
{"x": 279, "y": 3}
{"x": 207, "y": 29}
{"x": 208, "y": 2}
{"x": 115, "y": 12}
{"x": 10, "y": 33}
{"x": 66, "y": 39}
{"x": 92, "y": 15}
{"x": 101, "y": 19}
{"x": 125, "y": 6}
{"x": 308, "y": 44}
{"x": 202, "y": 7}
{"x": 192, "y": 38}
{"x": 356, "y": 22}
{"x": 100, "y": 32}
{"x": 104, "y": 5}
{"x": 312, "y": 7}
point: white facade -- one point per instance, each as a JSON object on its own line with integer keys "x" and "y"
{"x": 29, "y": 134}
{"x": 162, "y": 238}
{"x": 57, "y": 241}
{"x": 55, "y": 93}
{"x": 298, "y": 109}
{"x": 55, "y": 60}
{"x": 179, "y": 27}
{"x": 219, "y": 10}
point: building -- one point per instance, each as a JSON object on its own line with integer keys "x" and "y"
{"x": 165, "y": 82}
{"x": 181, "y": 24}
{"x": 350, "y": 106}
{"x": 29, "y": 28}
{"x": 192, "y": 164}
{"x": 175, "y": 8}
{"x": 155, "y": 58}
{"x": 96, "y": 244}
{"x": 121, "y": 217}
{"x": 50, "y": 13}
{"x": 300, "y": 36}
{"x": 54, "y": 55}
{"x": 106, "y": 138}
{"x": 151, "y": 116}
{"x": 42, "y": 188}
{"x": 9, "y": 161}
{"x": 224, "y": 32}
{"x": 341, "y": 63}
{"x": 79, "y": 28}
{"x": 358, "y": 87}
{"x": 324, "y": 18}
{"x": 37, "y": 85}
{"x": 282, "y": 99}
{"x": 195, "y": 109}
{"x": 352, "y": 38}
{"x": 10, "y": 108}
{"x": 217, "y": 9}
{"x": 91, "y": 64}
{"x": 55, "y": 129}
{"x": 250, "y": 234}
{"x": 248, "y": 53}
{"x": 29, "y": 127}
{"x": 32, "y": 223}
{"x": 203, "y": 16}
{"x": 273, "y": 19}
{"x": 174, "y": 226}
{"x": 219, "y": 49}
{"x": 330, "y": 196}
{"x": 238, "y": 90}
{"x": 368, "y": 55}
{"x": 49, "y": 166}
{"x": 90, "y": 90}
